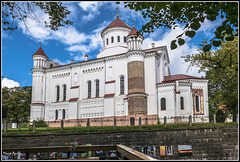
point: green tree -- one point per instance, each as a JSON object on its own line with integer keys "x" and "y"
{"x": 221, "y": 67}
{"x": 190, "y": 14}
{"x": 17, "y": 100}
{"x": 20, "y": 11}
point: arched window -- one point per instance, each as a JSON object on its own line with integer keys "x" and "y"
{"x": 125, "y": 39}
{"x": 197, "y": 103}
{"x": 89, "y": 89}
{"x": 56, "y": 115}
{"x": 118, "y": 38}
{"x": 107, "y": 41}
{"x": 122, "y": 85}
{"x": 64, "y": 92}
{"x": 163, "y": 104}
{"x": 112, "y": 39}
{"x": 182, "y": 103}
{"x": 97, "y": 88}
{"x": 63, "y": 114}
{"x": 51, "y": 65}
{"x": 58, "y": 91}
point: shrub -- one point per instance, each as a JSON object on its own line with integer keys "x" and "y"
{"x": 25, "y": 125}
{"x": 40, "y": 123}
{"x": 220, "y": 116}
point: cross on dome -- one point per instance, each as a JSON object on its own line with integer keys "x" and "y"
{"x": 117, "y": 12}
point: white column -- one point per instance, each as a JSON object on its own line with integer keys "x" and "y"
{"x": 33, "y": 88}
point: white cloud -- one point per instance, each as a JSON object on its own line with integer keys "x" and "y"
{"x": 60, "y": 62}
{"x": 91, "y": 8}
{"x": 9, "y": 83}
{"x": 69, "y": 35}
{"x": 79, "y": 58}
{"x": 37, "y": 28}
{"x": 76, "y": 48}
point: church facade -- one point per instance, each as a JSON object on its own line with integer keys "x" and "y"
{"x": 123, "y": 84}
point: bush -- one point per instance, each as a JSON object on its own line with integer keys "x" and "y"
{"x": 220, "y": 116}
{"x": 25, "y": 125}
{"x": 40, "y": 123}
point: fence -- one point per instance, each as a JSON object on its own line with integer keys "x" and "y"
{"x": 141, "y": 121}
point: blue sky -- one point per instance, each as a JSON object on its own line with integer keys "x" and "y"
{"x": 83, "y": 37}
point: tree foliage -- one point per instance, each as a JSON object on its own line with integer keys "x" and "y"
{"x": 190, "y": 14}
{"x": 20, "y": 11}
{"x": 17, "y": 100}
{"x": 221, "y": 67}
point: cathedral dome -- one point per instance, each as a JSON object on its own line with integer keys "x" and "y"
{"x": 116, "y": 23}
{"x": 114, "y": 38}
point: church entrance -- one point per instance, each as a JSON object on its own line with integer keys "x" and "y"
{"x": 132, "y": 121}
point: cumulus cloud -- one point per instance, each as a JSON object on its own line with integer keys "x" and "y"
{"x": 61, "y": 62}
{"x": 79, "y": 57}
{"x": 69, "y": 35}
{"x": 9, "y": 83}
{"x": 91, "y": 8}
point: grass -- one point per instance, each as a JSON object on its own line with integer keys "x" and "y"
{"x": 44, "y": 130}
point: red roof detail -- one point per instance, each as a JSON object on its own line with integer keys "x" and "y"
{"x": 109, "y": 95}
{"x": 40, "y": 52}
{"x": 73, "y": 99}
{"x": 113, "y": 81}
{"x": 133, "y": 32}
{"x": 37, "y": 104}
{"x": 179, "y": 77}
{"x": 86, "y": 55}
{"x": 74, "y": 87}
{"x": 117, "y": 22}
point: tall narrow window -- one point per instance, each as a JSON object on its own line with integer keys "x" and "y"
{"x": 58, "y": 91}
{"x": 118, "y": 38}
{"x": 125, "y": 39}
{"x": 122, "y": 85}
{"x": 107, "y": 41}
{"x": 197, "y": 105}
{"x": 97, "y": 88}
{"x": 89, "y": 89}
{"x": 163, "y": 104}
{"x": 112, "y": 39}
{"x": 63, "y": 114}
{"x": 56, "y": 115}
{"x": 64, "y": 92}
{"x": 182, "y": 103}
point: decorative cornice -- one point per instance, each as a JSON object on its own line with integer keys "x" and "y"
{"x": 154, "y": 49}
{"x": 61, "y": 75}
{"x": 135, "y": 52}
{"x": 134, "y": 94}
{"x": 38, "y": 70}
{"x": 165, "y": 84}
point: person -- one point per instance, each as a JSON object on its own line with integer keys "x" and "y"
{"x": 19, "y": 155}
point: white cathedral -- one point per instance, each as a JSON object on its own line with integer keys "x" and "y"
{"x": 122, "y": 85}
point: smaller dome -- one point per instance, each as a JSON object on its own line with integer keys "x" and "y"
{"x": 40, "y": 52}
{"x": 133, "y": 32}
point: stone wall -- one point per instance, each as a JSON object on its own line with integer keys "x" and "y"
{"x": 218, "y": 143}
